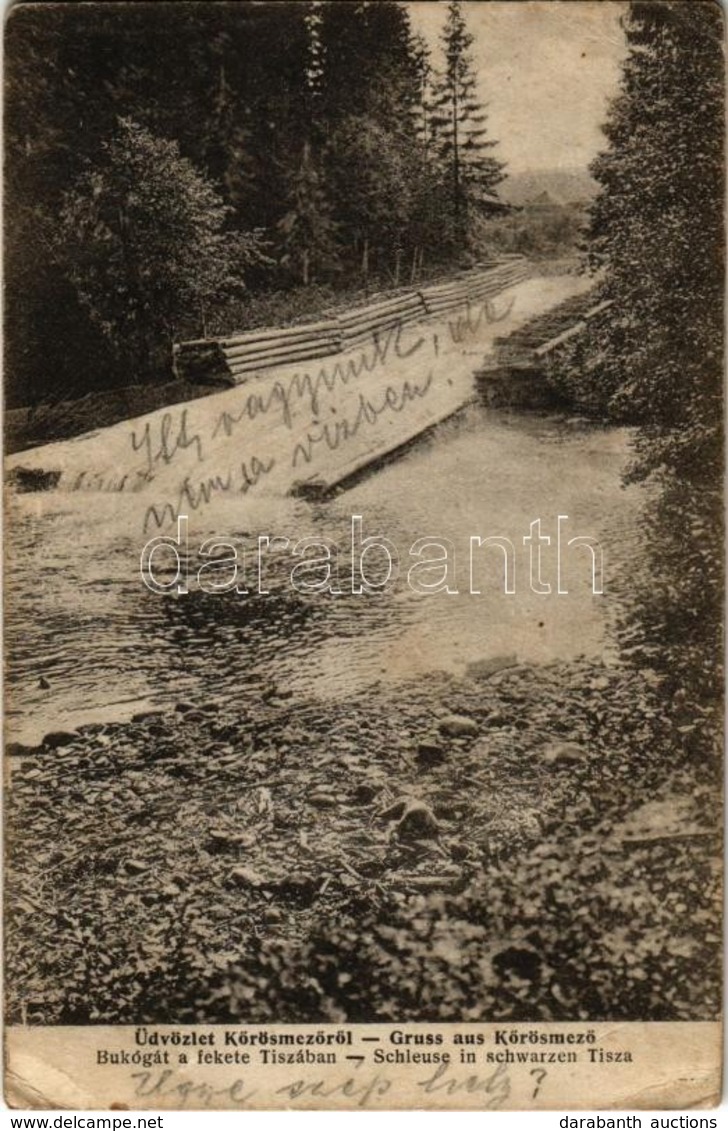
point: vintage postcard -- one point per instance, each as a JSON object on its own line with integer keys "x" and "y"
{"x": 363, "y": 555}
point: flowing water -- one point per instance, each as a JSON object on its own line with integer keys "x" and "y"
{"x": 80, "y": 619}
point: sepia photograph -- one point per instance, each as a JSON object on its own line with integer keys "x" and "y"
{"x": 363, "y": 569}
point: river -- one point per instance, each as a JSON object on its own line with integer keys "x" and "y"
{"x": 87, "y": 641}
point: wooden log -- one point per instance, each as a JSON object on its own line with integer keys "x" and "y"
{"x": 377, "y": 308}
{"x": 290, "y": 333}
{"x": 443, "y": 306}
{"x": 237, "y": 367}
{"x": 199, "y": 364}
{"x": 560, "y": 339}
{"x": 383, "y": 299}
{"x": 433, "y": 300}
{"x": 362, "y": 339}
{"x": 444, "y": 292}
{"x": 598, "y": 309}
{"x": 281, "y": 358}
{"x": 380, "y": 320}
{"x": 389, "y": 319}
{"x": 368, "y": 331}
{"x": 278, "y": 349}
{"x": 380, "y": 327}
{"x": 367, "y": 314}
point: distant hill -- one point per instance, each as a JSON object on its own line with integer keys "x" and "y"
{"x": 559, "y": 186}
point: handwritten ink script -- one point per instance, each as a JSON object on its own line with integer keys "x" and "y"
{"x": 294, "y": 422}
{"x": 359, "y": 1090}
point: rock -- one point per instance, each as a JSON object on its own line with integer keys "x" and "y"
{"x": 298, "y": 889}
{"x": 135, "y": 867}
{"x": 183, "y": 708}
{"x": 484, "y": 669}
{"x": 43, "y": 684}
{"x": 563, "y": 754}
{"x": 370, "y": 866}
{"x": 246, "y": 878}
{"x": 396, "y": 810}
{"x": 33, "y": 479}
{"x": 429, "y": 753}
{"x": 365, "y": 793}
{"x": 418, "y": 822}
{"x": 227, "y": 756}
{"x": 58, "y": 738}
{"x": 675, "y": 818}
{"x": 322, "y": 800}
{"x": 458, "y": 726}
{"x": 601, "y": 683}
{"x": 222, "y": 839}
{"x": 224, "y": 731}
{"x": 272, "y": 915}
{"x": 18, "y": 750}
{"x": 147, "y": 716}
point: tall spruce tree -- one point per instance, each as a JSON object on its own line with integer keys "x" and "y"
{"x": 459, "y": 123}
{"x": 657, "y": 234}
{"x": 309, "y": 247}
{"x": 370, "y": 88}
{"x": 656, "y": 228}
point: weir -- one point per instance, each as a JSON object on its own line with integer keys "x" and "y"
{"x": 307, "y": 428}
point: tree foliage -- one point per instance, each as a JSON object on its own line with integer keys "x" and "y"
{"x": 458, "y": 121}
{"x": 307, "y": 230}
{"x": 311, "y": 119}
{"x": 656, "y": 229}
{"x": 142, "y": 235}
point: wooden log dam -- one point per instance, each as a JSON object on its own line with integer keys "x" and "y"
{"x": 305, "y": 410}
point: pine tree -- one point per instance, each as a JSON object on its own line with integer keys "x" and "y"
{"x": 308, "y": 232}
{"x": 459, "y": 122}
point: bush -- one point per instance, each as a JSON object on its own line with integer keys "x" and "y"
{"x": 143, "y": 241}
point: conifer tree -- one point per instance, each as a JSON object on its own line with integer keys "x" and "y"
{"x": 656, "y": 229}
{"x": 459, "y": 121}
{"x": 657, "y": 235}
{"x": 308, "y": 231}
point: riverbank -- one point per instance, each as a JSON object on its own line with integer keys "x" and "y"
{"x": 526, "y": 842}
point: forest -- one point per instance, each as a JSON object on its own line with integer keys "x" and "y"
{"x": 169, "y": 164}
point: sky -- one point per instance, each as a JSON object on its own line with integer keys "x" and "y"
{"x": 547, "y": 69}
